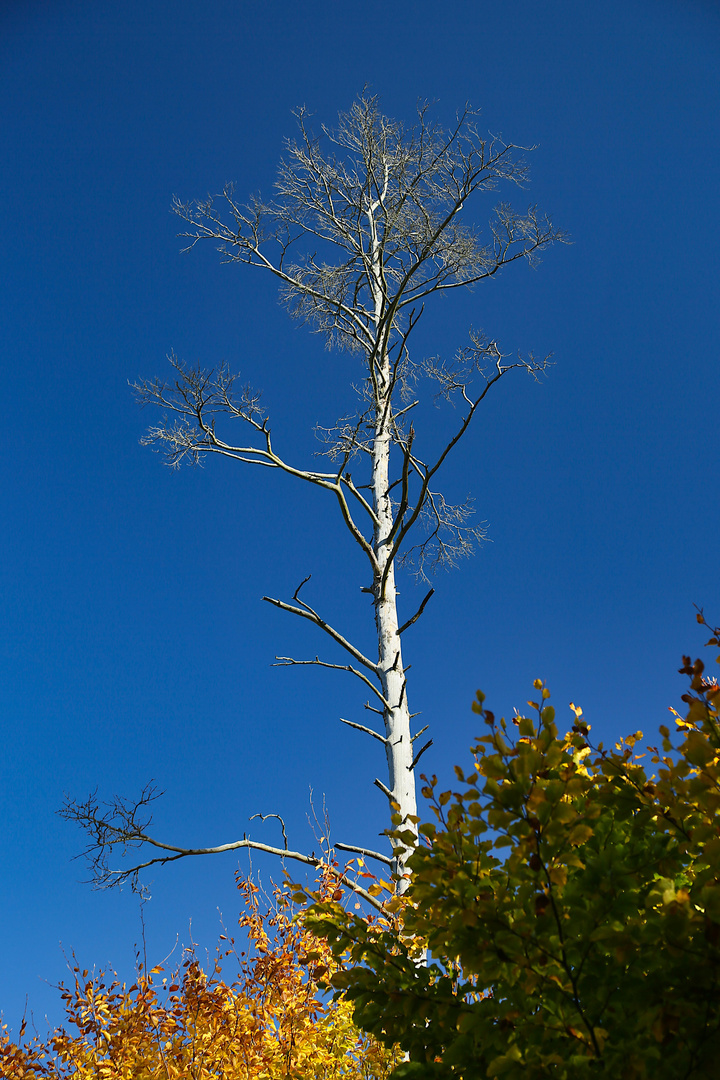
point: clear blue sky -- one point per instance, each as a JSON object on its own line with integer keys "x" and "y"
{"x": 134, "y": 642}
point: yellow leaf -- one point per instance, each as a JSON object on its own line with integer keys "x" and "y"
{"x": 558, "y": 875}
{"x": 579, "y": 834}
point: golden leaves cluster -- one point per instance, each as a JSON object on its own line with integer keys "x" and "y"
{"x": 271, "y": 1022}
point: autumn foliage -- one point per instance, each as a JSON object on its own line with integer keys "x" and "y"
{"x": 569, "y": 895}
{"x": 271, "y": 1021}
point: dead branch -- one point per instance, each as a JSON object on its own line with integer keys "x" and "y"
{"x": 385, "y": 790}
{"x": 366, "y": 852}
{"x": 420, "y": 753}
{"x": 367, "y": 730}
{"x": 289, "y": 661}
{"x": 124, "y": 825}
{"x": 417, "y": 614}
{"x": 306, "y": 612}
{"x": 264, "y": 817}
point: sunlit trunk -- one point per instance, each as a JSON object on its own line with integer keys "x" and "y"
{"x": 396, "y": 716}
{"x": 392, "y": 672}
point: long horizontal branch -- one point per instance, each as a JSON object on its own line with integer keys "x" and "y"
{"x": 283, "y": 853}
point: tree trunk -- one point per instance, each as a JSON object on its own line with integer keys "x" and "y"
{"x": 392, "y": 673}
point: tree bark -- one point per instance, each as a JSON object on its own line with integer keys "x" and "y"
{"x": 396, "y": 715}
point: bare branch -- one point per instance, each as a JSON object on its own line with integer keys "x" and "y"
{"x": 420, "y": 753}
{"x": 264, "y": 817}
{"x": 197, "y": 398}
{"x": 401, "y": 239}
{"x": 123, "y": 824}
{"x": 366, "y": 852}
{"x": 385, "y": 790}
{"x": 427, "y": 472}
{"x": 289, "y": 661}
{"x": 417, "y": 614}
{"x": 371, "y": 708}
{"x": 306, "y": 612}
{"x": 367, "y": 730}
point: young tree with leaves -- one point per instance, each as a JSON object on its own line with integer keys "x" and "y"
{"x": 570, "y": 902}
{"x": 270, "y": 1020}
{"x": 368, "y": 225}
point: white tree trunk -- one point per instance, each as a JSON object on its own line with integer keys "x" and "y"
{"x": 396, "y": 716}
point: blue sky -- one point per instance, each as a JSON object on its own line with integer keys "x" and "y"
{"x": 134, "y": 641}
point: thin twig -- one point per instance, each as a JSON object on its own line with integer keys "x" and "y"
{"x": 419, "y": 755}
{"x": 264, "y": 817}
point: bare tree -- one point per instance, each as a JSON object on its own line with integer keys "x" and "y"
{"x": 367, "y": 225}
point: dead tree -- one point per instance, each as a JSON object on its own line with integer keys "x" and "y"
{"x": 367, "y": 225}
